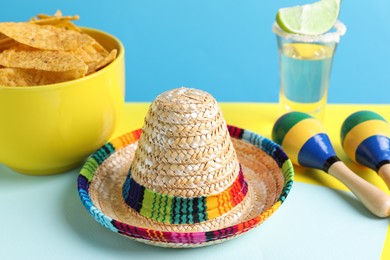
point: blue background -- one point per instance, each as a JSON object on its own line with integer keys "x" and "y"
{"x": 225, "y": 47}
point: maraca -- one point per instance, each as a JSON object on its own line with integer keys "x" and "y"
{"x": 365, "y": 139}
{"x": 306, "y": 143}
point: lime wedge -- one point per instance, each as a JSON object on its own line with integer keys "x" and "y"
{"x": 310, "y": 19}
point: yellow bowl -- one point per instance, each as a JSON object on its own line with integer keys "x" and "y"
{"x": 53, "y": 128}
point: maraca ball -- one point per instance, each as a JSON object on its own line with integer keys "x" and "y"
{"x": 304, "y": 140}
{"x": 284, "y": 124}
{"x": 365, "y": 139}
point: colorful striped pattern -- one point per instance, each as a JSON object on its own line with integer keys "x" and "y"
{"x": 178, "y": 210}
{"x": 188, "y": 238}
{"x": 365, "y": 139}
{"x": 357, "y": 118}
{"x": 283, "y": 125}
{"x": 305, "y": 141}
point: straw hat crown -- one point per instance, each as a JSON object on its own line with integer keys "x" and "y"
{"x": 184, "y": 154}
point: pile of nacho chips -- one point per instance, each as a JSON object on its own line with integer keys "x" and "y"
{"x": 47, "y": 50}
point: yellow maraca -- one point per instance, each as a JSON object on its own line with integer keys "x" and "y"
{"x": 365, "y": 137}
{"x": 305, "y": 141}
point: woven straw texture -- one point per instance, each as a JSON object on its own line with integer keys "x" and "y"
{"x": 186, "y": 179}
{"x": 185, "y": 149}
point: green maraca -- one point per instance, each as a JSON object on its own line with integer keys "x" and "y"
{"x": 365, "y": 137}
{"x": 305, "y": 141}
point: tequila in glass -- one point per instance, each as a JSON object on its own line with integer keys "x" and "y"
{"x": 305, "y": 65}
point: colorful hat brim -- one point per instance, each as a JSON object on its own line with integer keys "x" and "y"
{"x": 95, "y": 180}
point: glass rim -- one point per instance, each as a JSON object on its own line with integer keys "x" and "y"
{"x": 328, "y": 37}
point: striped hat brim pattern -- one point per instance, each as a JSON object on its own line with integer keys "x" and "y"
{"x": 267, "y": 169}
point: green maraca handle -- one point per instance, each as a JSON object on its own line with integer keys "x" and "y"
{"x": 374, "y": 199}
{"x": 384, "y": 173}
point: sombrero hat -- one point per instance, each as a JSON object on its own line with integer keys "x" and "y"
{"x": 186, "y": 179}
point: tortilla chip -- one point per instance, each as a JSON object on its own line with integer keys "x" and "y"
{"x": 14, "y": 77}
{"x": 57, "y": 20}
{"x": 45, "y": 37}
{"x": 102, "y": 63}
{"x": 61, "y": 22}
{"x": 48, "y": 49}
{"x": 6, "y": 43}
{"x": 42, "y": 60}
{"x": 92, "y": 55}
{"x": 58, "y": 13}
{"x": 2, "y": 37}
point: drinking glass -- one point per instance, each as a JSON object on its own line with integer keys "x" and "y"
{"x": 305, "y": 63}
